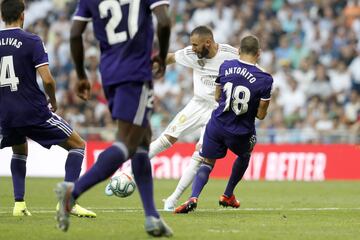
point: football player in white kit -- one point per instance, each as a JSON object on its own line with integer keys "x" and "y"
{"x": 204, "y": 56}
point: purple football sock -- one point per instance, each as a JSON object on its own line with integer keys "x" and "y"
{"x": 141, "y": 167}
{"x": 238, "y": 170}
{"x": 18, "y": 173}
{"x": 201, "y": 178}
{"x": 73, "y": 164}
{"x": 108, "y": 162}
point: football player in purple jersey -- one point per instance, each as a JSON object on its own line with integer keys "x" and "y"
{"x": 243, "y": 91}
{"x": 24, "y": 111}
{"x": 125, "y": 32}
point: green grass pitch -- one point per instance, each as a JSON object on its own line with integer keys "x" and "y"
{"x": 269, "y": 210}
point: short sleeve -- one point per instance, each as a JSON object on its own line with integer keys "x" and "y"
{"x": 40, "y": 56}
{"x": 82, "y": 12}
{"x": 154, "y": 3}
{"x": 266, "y": 94}
{"x": 183, "y": 57}
{"x": 221, "y": 74}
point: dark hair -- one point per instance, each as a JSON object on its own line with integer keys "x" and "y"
{"x": 249, "y": 45}
{"x": 202, "y": 30}
{"x": 11, "y": 10}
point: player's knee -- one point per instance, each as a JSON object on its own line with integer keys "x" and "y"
{"x": 198, "y": 147}
{"x": 243, "y": 160}
{"x": 75, "y": 141}
{"x": 209, "y": 162}
{"x": 171, "y": 139}
{"x": 80, "y": 143}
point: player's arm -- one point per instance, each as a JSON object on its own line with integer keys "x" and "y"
{"x": 218, "y": 87}
{"x": 170, "y": 58}
{"x": 218, "y": 91}
{"x": 262, "y": 110}
{"x": 77, "y": 53}
{"x": 163, "y": 33}
{"x": 49, "y": 85}
{"x": 77, "y": 46}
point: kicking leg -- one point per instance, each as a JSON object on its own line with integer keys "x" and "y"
{"x": 162, "y": 143}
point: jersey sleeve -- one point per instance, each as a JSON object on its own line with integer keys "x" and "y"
{"x": 40, "y": 56}
{"x": 184, "y": 58}
{"x": 221, "y": 74}
{"x": 82, "y": 12}
{"x": 266, "y": 94}
{"x": 154, "y": 3}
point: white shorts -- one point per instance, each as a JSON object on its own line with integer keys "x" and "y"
{"x": 194, "y": 116}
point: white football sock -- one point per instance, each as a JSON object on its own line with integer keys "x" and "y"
{"x": 156, "y": 147}
{"x": 159, "y": 145}
{"x": 187, "y": 177}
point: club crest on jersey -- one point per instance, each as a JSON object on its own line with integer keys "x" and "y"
{"x": 201, "y": 62}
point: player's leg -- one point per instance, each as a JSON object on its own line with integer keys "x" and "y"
{"x": 75, "y": 146}
{"x": 56, "y": 131}
{"x": 238, "y": 169}
{"x": 202, "y": 112}
{"x": 14, "y": 138}
{"x": 18, "y": 174}
{"x": 107, "y": 163}
{"x": 186, "y": 179}
{"x": 200, "y": 180}
{"x": 141, "y": 166}
{"x": 212, "y": 149}
{"x": 163, "y": 142}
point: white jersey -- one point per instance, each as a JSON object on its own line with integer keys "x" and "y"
{"x": 205, "y": 70}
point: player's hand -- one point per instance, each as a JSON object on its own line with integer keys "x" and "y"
{"x": 158, "y": 66}
{"x": 83, "y": 89}
{"x": 52, "y": 105}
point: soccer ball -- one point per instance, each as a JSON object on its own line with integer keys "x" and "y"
{"x": 122, "y": 185}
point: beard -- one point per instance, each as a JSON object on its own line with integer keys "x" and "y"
{"x": 204, "y": 53}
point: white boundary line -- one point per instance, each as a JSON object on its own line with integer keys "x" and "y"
{"x": 130, "y": 210}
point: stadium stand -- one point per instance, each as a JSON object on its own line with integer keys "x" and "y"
{"x": 312, "y": 48}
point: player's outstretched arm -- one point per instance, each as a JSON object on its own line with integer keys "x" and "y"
{"x": 170, "y": 58}
{"x": 163, "y": 33}
{"x": 262, "y": 110}
{"x": 49, "y": 85}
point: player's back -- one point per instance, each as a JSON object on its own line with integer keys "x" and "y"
{"x": 125, "y": 32}
{"x": 21, "y": 100}
{"x": 244, "y": 85}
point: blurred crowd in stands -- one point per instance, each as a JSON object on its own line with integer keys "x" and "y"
{"x": 312, "y": 49}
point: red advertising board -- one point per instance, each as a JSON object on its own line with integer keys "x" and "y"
{"x": 268, "y": 162}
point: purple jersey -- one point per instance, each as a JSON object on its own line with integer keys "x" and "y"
{"x": 244, "y": 85}
{"x": 22, "y": 103}
{"x": 125, "y": 31}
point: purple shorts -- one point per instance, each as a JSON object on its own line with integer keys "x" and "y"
{"x": 217, "y": 141}
{"x": 131, "y": 102}
{"x": 51, "y": 132}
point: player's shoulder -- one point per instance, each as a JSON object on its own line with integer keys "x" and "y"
{"x": 230, "y": 62}
{"x": 30, "y": 36}
{"x": 266, "y": 76}
{"x": 226, "y": 48}
{"x": 188, "y": 51}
